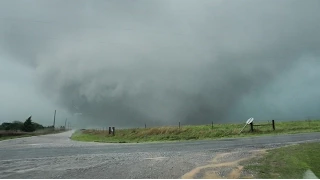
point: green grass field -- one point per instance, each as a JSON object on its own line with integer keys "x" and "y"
{"x": 193, "y": 132}
{"x": 289, "y": 162}
{"x": 4, "y": 135}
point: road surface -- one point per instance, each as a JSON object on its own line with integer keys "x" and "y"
{"x": 56, "y": 156}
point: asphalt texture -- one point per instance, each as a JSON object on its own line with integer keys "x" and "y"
{"x": 56, "y": 156}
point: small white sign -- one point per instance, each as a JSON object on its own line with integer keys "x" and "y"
{"x": 250, "y": 120}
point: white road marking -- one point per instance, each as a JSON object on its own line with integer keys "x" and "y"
{"x": 39, "y": 144}
{"x": 156, "y": 158}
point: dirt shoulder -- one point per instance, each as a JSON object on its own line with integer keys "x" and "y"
{"x": 225, "y": 166}
{"x": 281, "y": 161}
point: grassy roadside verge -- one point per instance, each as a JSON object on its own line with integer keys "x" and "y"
{"x": 193, "y": 132}
{"x": 289, "y": 162}
{"x": 12, "y": 135}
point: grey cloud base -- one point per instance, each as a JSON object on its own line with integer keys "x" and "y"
{"x": 128, "y": 63}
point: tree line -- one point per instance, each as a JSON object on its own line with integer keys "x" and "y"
{"x": 27, "y": 126}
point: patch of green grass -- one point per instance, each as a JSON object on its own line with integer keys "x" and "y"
{"x": 289, "y": 162}
{"x": 171, "y": 133}
{"x": 12, "y": 135}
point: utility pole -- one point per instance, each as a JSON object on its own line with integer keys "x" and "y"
{"x": 65, "y": 124}
{"x": 54, "y": 118}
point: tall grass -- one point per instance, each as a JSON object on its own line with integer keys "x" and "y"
{"x": 172, "y": 133}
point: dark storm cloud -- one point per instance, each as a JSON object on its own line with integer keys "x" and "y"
{"x": 159, "y": 62}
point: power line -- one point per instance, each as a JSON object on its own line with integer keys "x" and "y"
{"x": 63, "y": 25}
{"x": 27, "y": 20}
{"x": 78, "y": 40}
{"x": 184, "y": 37}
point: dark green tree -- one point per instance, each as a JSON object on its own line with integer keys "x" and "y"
{"x": 28, "y": 126}
{"x": 37, "y": 126}
{"x": 5, "y": 126}
{"x": 16, "y": 125}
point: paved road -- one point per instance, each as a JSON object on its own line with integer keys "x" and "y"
{"x": 56, "y": 156}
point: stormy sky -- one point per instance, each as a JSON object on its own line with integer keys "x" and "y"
{"x": 129, "y": 62}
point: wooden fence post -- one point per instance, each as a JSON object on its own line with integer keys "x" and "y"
{"x": 113, "y": 130}
{"x": 251, "y": 127}
{"x": 273, "y": 125}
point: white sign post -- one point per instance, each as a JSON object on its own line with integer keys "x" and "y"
{"x": 250, "y": 120}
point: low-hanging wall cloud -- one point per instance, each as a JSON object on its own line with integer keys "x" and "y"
{"x": 160, "y": 62}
